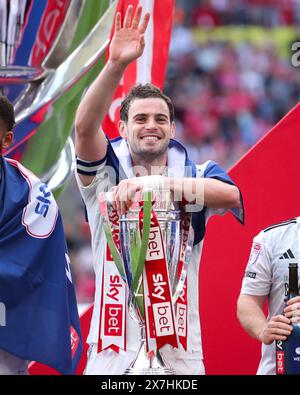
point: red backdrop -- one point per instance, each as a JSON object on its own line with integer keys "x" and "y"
{"x": 268, "y": 176}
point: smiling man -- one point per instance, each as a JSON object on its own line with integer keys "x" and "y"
{"x": 146, "y": 148}
{"x": 147, "y": 123}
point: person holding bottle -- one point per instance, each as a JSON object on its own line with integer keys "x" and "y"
{"x": 274, "y": 249}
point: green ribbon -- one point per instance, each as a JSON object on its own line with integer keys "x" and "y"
{"x": 147, "y": 207}
{"x": 138, "y": 250}
{"x": 136, "y": 283}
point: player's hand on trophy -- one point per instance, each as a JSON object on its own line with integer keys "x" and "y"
{"x": 292, "y": 310}
{"x": 277, "y": 328}
{"x": 124, "y": 193}
{"x": 128, "y": 41}
{"x": 128, "y": 191}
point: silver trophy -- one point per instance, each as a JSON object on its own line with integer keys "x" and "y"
{"x": 156, "y": 240}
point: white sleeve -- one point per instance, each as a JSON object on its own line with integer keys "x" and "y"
{"x": 258, "y": 274}
{"x": 103, "y": 181}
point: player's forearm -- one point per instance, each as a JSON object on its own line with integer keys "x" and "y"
{"x": 251, "y": 317}
{"x": 97, "y": 100}
{"x": 207, "y": 192}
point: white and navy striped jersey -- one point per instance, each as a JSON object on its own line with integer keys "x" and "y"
{"x": 103, "y": 181}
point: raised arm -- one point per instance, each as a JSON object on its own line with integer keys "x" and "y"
{"x": 126, "y": 46}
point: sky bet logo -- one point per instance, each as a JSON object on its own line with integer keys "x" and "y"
{"x": 40, "y": 215}
{"x": 296, "y": 55}
{"x": 43, "y": 205}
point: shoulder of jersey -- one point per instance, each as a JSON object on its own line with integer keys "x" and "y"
{"x": 280, "y": 224}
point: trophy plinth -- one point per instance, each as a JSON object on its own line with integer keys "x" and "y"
{"x": 148, "y": 363}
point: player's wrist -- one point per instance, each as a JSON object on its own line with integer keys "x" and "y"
{"x": 261, "y": 334}
{"x": 116, "y": 66}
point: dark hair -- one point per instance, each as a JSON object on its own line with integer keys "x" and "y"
{"x": 144, "y": 92}
{"x": 7, "y": 113}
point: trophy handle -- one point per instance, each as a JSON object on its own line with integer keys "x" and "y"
{"x": 186, "y": 255}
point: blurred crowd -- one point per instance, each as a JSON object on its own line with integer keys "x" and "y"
{"x": 268, "y": 13}
{"x": 226, "y": 94}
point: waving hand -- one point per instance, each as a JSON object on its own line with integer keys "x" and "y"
{"x": 128, "y": 41}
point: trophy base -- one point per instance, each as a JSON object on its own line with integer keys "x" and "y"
{"x": 148, "y": 364}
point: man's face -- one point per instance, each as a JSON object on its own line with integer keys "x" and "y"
{"x": 148, "y": 130}
{"x": 6, "y": 137}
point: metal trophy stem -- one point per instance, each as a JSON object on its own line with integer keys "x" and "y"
{"x": 148, "y": 363}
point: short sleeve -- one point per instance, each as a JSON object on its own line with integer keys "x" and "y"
{"x": 103, "y": 181}
{"x": 211, "y": 169}
{"x": 258, "y": 274}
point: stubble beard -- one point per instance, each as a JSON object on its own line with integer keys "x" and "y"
{"x": 143, "y": 155}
